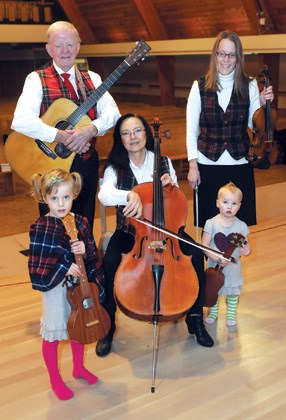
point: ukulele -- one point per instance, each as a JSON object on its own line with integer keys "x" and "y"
{"x": 89, "y": 321}
{"x": 214, "y": 275}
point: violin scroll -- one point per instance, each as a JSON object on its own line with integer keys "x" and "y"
{"x": 263, "y": 149}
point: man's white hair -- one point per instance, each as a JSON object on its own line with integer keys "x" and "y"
{"x": 62, "y": 26}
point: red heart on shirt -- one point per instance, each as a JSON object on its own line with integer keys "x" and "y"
{"x": 222, "y": 241}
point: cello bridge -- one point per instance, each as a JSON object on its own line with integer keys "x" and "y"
{"x": 159, "y": 246}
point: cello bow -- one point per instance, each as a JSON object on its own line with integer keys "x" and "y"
{"x": 180, "y": 238}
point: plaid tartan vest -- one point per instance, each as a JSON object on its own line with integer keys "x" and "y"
{"x": 126, "y": 181}
{"x": 219, "y": 130}
{"x": 54, "y": 88}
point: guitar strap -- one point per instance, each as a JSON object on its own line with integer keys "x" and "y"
{"x": 80, "y": 82}
{"x": 81, "y": 86}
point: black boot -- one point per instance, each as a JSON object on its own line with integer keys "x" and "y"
{"x": 103, "y": 346}
{"x": 196, "y": 326}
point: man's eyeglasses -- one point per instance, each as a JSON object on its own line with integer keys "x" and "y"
{"x": 136, "y": 132}
{"x": 222, "y": 54}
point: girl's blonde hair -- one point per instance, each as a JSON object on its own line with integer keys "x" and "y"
{"x": 43, "y": 185}
{"x": 241, "y": 79}
{"x": 232, "y": 188}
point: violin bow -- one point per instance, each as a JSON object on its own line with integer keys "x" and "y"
{"x": 174, "y": 235}
{"x": 197, "y": 212}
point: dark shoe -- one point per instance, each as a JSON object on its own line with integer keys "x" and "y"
{"x": 196, "y": 326}
{"x": 103, "y": 346}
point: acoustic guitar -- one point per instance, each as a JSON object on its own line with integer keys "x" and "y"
{"x": 214, "y": 275}
{"x": 89, "y": 321}
{"x": 28, "y": 156}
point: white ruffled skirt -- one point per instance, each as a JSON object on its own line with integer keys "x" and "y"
{"x": 56, "y": 311}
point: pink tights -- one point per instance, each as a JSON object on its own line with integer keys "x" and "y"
{"x": 50, "y": 355}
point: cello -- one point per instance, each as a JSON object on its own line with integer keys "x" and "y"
{"x": 155, "y": 281}
{"x": 263, "y": 148}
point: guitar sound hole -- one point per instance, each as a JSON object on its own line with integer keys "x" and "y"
{"x": 61, "y": 150}
{"x": 87, "y": 303}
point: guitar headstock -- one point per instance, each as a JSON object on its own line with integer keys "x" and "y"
{"x": 70, "y": 226}
{"x": 138, "y": 53}
{"x": 237, "y": 239}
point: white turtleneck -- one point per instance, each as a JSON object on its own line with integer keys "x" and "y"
{"x": 193, "y": 117}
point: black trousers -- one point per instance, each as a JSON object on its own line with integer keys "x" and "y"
{"x": 212, "y": 178}
{"x": 84, "y": 204}
{"x": 122, "y": 242}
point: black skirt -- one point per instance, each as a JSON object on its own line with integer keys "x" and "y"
{"x": 213, "y": 177}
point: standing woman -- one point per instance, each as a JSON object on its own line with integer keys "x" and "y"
{"x": 131, "y": 162}
{"x": 220, "y": 108}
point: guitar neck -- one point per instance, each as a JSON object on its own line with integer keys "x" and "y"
{"x": 83, "y": 279}
{"x": 77, "y": 115}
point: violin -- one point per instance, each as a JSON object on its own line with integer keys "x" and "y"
{"x": 214, "y": 275}
{"x": 156, "y": 281}
{"x": 263, "y": 149}
{"x": 89, "y": 321}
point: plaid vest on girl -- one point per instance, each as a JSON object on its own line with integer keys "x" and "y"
{"x": 219, "y": 130}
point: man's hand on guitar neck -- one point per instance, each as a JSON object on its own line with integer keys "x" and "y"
{"x": 77, "y": 140}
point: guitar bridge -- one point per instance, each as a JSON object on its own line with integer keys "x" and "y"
{"x": 91, "y": 324}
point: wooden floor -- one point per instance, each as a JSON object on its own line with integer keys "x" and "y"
{"x": 242, "y": 377}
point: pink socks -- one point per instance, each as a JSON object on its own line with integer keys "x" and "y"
{"x": 79, "y": 371}
{"x": 85, "y": 374}
{"x": 50, "y": 355}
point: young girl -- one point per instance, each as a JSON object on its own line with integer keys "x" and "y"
{"x": 216, "y": 234}
{"x": 51, "y": 262}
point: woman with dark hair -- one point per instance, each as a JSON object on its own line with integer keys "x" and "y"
{"x": 220, "y": 108}
{"x": 131, "y": 162}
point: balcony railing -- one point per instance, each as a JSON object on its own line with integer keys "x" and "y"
{"x": 23, "y": 12}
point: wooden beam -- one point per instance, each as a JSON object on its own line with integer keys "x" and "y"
{"x": 166, "y": 75}
{"x": 255, "y": 44}
{"x": 151, "y": 18}
{"x": 157, "y": 31}
{"x": 75, "y": 17}
{"x": 269, "y": 20}
{"x": 10, "y": 34}
{"x": 251, "y": 9}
